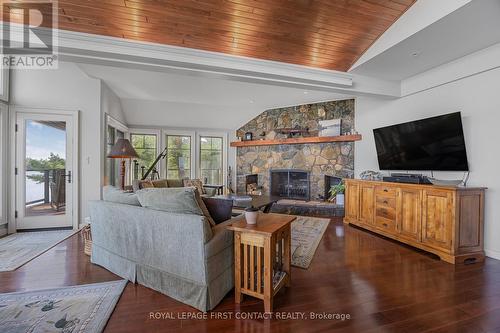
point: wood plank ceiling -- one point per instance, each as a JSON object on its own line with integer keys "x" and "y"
{"x": 329, "y": 34}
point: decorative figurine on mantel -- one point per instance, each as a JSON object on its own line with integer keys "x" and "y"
{"x": 295, "y": 132}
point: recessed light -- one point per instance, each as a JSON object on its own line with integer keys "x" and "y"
{"x": 306, "y": 92}
{"x": 415, "y": 54}
{"x": 252, "y": 101}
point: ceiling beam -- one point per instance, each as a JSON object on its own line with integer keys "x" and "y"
{"x": 119, "y": 52}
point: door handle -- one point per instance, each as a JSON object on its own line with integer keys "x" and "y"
{"x": 68, "y": 177}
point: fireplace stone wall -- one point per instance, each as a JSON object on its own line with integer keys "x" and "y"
{"x": 333, "y": 159}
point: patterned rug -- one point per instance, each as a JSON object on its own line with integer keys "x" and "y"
{"x": 83, "y": 309}
{"x": 306, "y": 235}
{"x": 19, "y": 248}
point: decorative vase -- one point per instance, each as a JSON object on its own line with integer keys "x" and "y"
{"x": 251, "y": 215}
{"x": 340, "y": 199}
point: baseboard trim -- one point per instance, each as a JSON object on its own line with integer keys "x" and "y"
{"x": 492, "y": 254}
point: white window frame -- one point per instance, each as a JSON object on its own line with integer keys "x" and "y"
{"x": 4, "y": 84}
{"x": 225, "y": 152}
{"x": 4, "y": 137}
{"x": 192, "y": 135}
{"x": 13, "y": 110}
{"x": 147, "y": 131}
{"x": 117, "y": 125}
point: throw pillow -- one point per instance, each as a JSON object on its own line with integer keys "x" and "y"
{"x": 180, "y": 200}
{"x": 220, "y": 210}
{"x": 159, "y": 183}
{"x": 140, "y": 184}
{"x": 113, "y": 194}
{"x": 175, "y": 183}
{"x": 203, "y": 207}
{"x": 196, "y": 183}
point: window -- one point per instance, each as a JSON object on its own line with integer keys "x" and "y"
{"x": 114, "y": 131}
{"x": 109, "y": 176}
{"x": 178, "y": 159}
{"x": 211, "y": 160}
{"x": 4, "y": 84}
{"x": 145, "y": 146}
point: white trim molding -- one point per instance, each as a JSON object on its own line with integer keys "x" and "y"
{"x": 4, "y": 161}
{"x": 4, "y": 83}
{"x": 119, "y": 52}
{"x": 492, "y": 254}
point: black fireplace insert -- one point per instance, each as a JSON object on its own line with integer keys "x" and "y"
{"x": 290, "y": 184}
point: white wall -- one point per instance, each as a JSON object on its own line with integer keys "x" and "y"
{"x": 111, "y": 104}
{"x": 477, "y": 98}
{"x": 68, "y": 88}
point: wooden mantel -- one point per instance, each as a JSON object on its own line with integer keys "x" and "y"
{"x": 295, "y": 141}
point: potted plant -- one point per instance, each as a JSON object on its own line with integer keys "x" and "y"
{"x": 337, "y": 194}
{"x": 251, "y": 214}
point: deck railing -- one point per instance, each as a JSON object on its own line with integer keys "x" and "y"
{"x": 49, "y": 177}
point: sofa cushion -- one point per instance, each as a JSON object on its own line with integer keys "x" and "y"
{"x": 180, "y": 200}
{"x": 175, "y": 183}
{"x": 160, "y": 183}
{"x": 196, "y": 183}
{"x": 139, "y": 184}
{"x": 113, "y": 194}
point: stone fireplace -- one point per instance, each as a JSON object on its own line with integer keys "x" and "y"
{"x": 335, "y": 159}
{"x": 290, "y": 184}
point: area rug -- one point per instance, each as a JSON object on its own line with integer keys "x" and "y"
{"x": 19, "y": 248}
{"x": 306, "y": 235}
{"x": 83, "y": 309}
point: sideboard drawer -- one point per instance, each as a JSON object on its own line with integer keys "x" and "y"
{"x": 385, "y": 224}
{"x": 386, "y": 191}
{"x": 386, "y": 213}
{"x": 386, "y": 201}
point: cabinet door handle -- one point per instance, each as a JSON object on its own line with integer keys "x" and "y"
{"x": 385, "y": 201}
{"x": 384, "y": 224}
{"x": 386, "y": 190}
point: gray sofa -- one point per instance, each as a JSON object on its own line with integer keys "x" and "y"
{"x": 179, "y": 255}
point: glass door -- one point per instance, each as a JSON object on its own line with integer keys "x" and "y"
{"x": 44, "y": 171}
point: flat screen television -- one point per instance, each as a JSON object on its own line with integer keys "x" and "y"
{"x": 431, "y": 144}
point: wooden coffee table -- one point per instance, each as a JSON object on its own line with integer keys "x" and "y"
{"x": 262, "y": 257}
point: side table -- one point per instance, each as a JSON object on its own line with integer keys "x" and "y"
{"x": 262, "y": 257}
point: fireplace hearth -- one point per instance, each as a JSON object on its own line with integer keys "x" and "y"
{"x": 290, "y": 184}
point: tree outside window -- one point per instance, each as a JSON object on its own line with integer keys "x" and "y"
{"x": 178, "y": 158}
{"x": 211, "y": 165}
{"x": 145, "y": 146}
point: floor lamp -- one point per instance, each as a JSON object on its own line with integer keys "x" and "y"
{"x": 124, "y": 150}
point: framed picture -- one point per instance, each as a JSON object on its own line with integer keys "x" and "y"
{"x": 248, "y": 136}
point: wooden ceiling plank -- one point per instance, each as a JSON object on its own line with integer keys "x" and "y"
{"x": 329, "y": 34}
{"x": 288, "y": 26}
{"x": 252, "y": 39}
{"x": 331, "y": 41}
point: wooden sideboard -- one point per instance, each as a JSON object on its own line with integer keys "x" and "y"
{"x": 446, "y": 221}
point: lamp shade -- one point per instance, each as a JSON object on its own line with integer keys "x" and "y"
{"x": 122, "y": 149}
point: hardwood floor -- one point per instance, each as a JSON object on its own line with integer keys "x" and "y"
{"x": 383, "y": 286}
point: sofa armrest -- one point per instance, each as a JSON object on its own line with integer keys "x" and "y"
{"x": 222, "y": 238}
